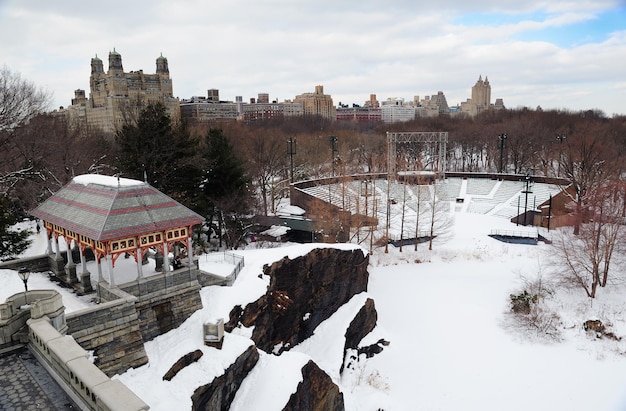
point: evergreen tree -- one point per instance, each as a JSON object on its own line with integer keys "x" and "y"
{"x": 12, "y": 243}
{"x": 158, "y": 151}
{"x": 225, "y": 187}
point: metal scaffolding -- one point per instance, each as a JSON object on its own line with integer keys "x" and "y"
{"x": 436, "y": 137}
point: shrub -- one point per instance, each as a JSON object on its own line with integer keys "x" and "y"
{"x": 521, "y": 303}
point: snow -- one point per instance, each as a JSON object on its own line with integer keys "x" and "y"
{"x": 276, "y": 231}
{"x": 110, "y": 181}
{"x": 289, "y": 210}
{"x": 445, "y": 312}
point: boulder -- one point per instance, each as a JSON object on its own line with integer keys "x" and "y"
{"x": 316, "y": 392}
{"x": 303, "y": 293}
{"x": 184, "y": 361}
{"x": 219, "y": 393}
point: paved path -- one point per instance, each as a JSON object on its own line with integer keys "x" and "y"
{"x": 26, "y": 385}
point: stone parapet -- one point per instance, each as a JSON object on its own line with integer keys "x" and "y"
{"x": 111, "y": 330}
{"x": 160, "y": 312}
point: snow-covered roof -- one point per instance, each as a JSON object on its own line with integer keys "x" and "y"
{"x": 102, "y": 180}
{"x": 105, "y": 208}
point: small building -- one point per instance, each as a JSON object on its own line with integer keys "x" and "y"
{"x": 113, "y": 216}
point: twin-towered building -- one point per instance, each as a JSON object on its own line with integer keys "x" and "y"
{"x": 116, "y": 97}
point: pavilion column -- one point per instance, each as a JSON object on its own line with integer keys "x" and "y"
{"x": 57, "y": 264}
{"x": 83, "y": 262}
{"x": 70, "y": 268}
{"x": 189, "y": 252}
{"x": 56, "y": 247}
{"x": 85, "y": 276}
{"x": 49, "y": 239}
{"x": 110, "y": 266}
{"x": 100, "y": 278}
{"x": 139, "y": 261}
{"x": 166, "y": 258}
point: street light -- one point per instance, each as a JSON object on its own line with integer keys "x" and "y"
{"x": 24, "y": 274}
{"x": 333, "y": 150}
{"x": 292, "y": 151}
{"x": 502, "y": 138}
{"x": 560, "y": 137}
{"x": 526, "y": 192}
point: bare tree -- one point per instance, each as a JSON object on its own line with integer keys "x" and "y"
{"x": 587, "y": 162}
{"x": 586, "y": 258}
{"x": 419, "y": 209}
{"x": 20, "y": 100}
{"x": 268, "y": 156}
{"x": 441, "y": 221}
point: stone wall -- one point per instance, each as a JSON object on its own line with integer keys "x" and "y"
{"x": 111, "y": 330}
{"x": 163, "y": 301}
{"x": 161, "y": 311}
{"x": 39, "y": 263}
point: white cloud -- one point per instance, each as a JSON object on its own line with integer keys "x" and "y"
{"x": 285, "y": 48}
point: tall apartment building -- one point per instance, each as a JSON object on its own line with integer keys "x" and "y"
{"x": 372, "y": 102}
{"x": 208, "y": 109}
{"x": 359, "y": 114}
{"x": 432, "y": 106}
{"x": 116, "y": 96}
{"x": 317, "y": 104}
{"x": 263, "y": 109}
{"x": 395, "y": 110}
{"x": 481, "y": 99}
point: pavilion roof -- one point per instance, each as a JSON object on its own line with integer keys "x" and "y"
{"x": 106, "y": 208}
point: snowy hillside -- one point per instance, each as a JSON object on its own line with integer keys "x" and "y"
{"x": 446, "y": 314}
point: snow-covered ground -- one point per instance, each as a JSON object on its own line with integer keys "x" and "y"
{"x": 453, "y": 344}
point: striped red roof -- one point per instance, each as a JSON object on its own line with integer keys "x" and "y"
{"x": 105, "y": 208}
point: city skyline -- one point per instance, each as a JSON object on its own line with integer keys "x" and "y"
{"x": 561, "y": 56}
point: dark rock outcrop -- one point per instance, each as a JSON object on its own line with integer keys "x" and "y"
{"x": 219, "y": 394}
{"x": 303, "y": 292}
{"x": 316, "y": 392}
{"x": 373, "y": 349}
{"x": 362, "y": 324}
{"x": 184, "y": 361}
{"x": 599, "y": 330}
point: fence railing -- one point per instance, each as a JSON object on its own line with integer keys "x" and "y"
{"x": 516, "y": 233}
{"x": 227, "y": 257}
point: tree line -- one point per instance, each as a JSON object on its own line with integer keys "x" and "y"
{"x": 228, "y": 172}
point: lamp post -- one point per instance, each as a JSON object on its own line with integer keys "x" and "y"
{"x": 292, "y": 151}
{"x": 560, "y": 137}
{"x": 24, "y": 274}
{"x": 502, "y": 138}
{"x": 527, "y": 191}
{"x": 333, "y": 150}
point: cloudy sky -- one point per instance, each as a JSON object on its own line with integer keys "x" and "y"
{"x": 563, "y": 54}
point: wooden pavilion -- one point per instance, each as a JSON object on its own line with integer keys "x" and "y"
{"x": 113, "y": 216}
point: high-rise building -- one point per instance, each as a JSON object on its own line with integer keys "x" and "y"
{"x": 372, "y": 102}
{"x": 395, "y": 110}
{"x": 481, "y": 99}
{"x": 116, "y": 96}
{"x": 198, "y": 110}
{"x": 317, "y": 104}
{"x": 432, "y": 106}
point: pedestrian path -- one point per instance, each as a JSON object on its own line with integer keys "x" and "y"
{"x": 26, "y": 385}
